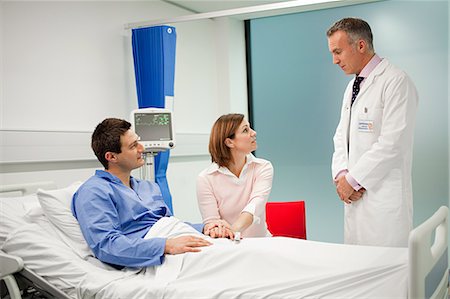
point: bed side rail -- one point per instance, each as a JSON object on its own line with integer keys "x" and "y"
{"x": 43, "y": 284}
{"x": 25, "y": 189}
{"x": 428, "y": 271}
{"x": 9, "y": 265}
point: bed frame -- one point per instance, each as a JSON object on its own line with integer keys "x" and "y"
{"x": 428, "y": 261}
{"x": 12, "y": 268}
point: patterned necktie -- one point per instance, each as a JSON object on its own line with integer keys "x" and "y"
{"x": 356, "y": 85}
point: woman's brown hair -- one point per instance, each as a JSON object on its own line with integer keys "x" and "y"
{"x": 224, "y": 127}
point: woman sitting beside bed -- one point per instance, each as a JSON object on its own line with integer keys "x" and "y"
{"x": 235, "y": 187}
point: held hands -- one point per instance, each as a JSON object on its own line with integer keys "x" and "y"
{"x": 222, "y": 229}
{"x": 346, "y": 192}
{"x": 218, "y": 229}
{"x": 185, "y": 244}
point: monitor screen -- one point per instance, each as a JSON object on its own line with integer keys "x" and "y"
{"x": 153, "y": 126}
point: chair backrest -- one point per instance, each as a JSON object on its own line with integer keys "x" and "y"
{"x": 286, "y": 219}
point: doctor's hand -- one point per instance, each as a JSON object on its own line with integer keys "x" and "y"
{"x": 344, "y": 189}
{"x": 185, "y": 244}
{"x": 356, "y": 195}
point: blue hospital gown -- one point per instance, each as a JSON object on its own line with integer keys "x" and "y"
{"x": 114, "y": 219}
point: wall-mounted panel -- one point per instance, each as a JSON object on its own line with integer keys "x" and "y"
{"x": 21, "y": 146}
{"x": 297, "y": 94}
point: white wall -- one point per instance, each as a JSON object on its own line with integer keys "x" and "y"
{"x": 68, "y": 65}
{"x": 1, "y": 64}
{"x": 220, "y": 45}
{"x": 230, "y": 49}
{"x": 75, "y": 58}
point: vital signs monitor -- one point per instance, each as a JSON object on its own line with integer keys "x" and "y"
{"x": 155, "y": 128}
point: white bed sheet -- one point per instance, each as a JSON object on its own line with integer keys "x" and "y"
{"x": 276, "y": 268}
{"x": 254, "y": 268}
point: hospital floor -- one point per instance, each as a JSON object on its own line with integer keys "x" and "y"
{"x": 29, "y": 294}
{"x": 27, "y": 290}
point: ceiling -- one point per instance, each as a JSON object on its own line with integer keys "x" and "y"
{"x": 201, "y": 6}
{"x": 242, "y": 9}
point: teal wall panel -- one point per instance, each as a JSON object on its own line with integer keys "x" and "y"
{"x": 297, "y": 94}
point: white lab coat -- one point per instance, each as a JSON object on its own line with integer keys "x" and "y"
{"x": 381, "y": 131}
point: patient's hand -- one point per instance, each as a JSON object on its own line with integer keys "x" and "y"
{"x": 185, "y": 244}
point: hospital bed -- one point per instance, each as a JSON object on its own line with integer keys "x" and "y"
{"x": 12, "y": 267}
{"x": 40, "y": 242}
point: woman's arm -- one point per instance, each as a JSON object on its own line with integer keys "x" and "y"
{"x": 244, "y": 220}
{"x": 256, "y": 207}
{"x": 207, "y": 203}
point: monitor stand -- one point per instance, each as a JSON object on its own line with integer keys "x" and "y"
{"x": 148, "y": 169}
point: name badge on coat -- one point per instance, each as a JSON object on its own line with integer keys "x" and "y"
{"x": 365, "y": 126}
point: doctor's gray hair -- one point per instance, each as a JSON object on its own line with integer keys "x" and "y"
{"x": 356, "y": 29}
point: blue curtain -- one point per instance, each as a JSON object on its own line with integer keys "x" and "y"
{"x": 154, "y": 67}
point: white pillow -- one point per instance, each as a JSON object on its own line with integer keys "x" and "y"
{"x": 12, "y": 213}
{"x": 33, "y": 212}
{"x": 56, "y": 205}
{"x": 32, "y": 206}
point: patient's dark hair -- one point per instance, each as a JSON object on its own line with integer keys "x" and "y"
{"x": 106, "y": 138}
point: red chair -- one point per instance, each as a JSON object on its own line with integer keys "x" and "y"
{"x": 286, "y": 219}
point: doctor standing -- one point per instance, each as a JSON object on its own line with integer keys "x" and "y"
{"x": 373, "y": 142}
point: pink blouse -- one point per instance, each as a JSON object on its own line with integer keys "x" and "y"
{"x": 222, "y": 195}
